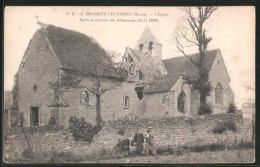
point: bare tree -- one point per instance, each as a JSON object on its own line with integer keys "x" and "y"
{"x": 101, "y": 69}
{"x": 194, "y": 35}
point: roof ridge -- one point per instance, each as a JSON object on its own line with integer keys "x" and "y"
{"x": 193, "y": 54}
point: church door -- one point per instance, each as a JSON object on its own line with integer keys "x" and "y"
{"x": 34, "y": 116}
{"x": 182, "y": 102}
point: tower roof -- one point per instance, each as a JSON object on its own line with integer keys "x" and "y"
{"x": 147, "y": 33}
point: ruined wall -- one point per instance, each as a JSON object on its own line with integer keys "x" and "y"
{"x": 38, "y": 68}
{"x": 188, "y": 130}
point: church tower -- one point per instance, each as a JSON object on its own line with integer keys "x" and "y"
{"x": 149, "y": 45}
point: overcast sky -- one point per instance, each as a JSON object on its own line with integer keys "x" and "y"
{"x": 232, "y": 30}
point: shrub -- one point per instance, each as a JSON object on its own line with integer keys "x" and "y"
{"x": 164, "y": 150}
{"x": 231, "y": 108}
{"x": 206, "y": 147}
{"x": 179, "y": 152}
{"x": 245, "y": 145}
{"x": 223, "y": 126}
{"x": 64, "y": 157}
{"x": 82, "y": 130}
{"x": 27, "y": 153}
{"x": 121, "y": 132}
{"x": 205, "y": 109}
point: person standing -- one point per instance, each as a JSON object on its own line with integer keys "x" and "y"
{"x": 139, "y": 140}
{"x": 149, "y": 138}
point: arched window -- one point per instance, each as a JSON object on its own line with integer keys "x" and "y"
{"x": 219, "y": 94}
{"x": 181, "y": 102}
{"x": 85, "y": 97}
{"x": 151, "y": 48}
{"x": 126, "y": 102}
{"x": 141, "y": 46}
{"x": 141, "y": 75}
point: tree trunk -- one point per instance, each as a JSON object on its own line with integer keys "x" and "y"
{"x": 202, "y": 100}
{"x": 98, "y": 110}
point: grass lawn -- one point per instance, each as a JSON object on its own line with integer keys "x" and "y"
{"x": 229, "y": 156}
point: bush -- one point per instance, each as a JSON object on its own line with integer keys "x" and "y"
{"x": 121, "y": 132}
{"x": 82, "y": 130}
{"x": 244, "y": 145}
{"x": 58, "y": 157}
{"x": 223, "y": 126}
{"x": 164, "y": 150}
{"x": 27, "y": 153}
{"x": 207, "y": 147}
{"x": 231, "y": 108}
{"x": 205, "y": 109}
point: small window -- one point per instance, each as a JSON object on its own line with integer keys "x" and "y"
{"x": 150, "y": 45}
{"x": 182, "y": 102}
{"x": 126, "y": 102}
{"x": 151, "y": 48}
{"x": 219, "y": 94}
{"x": 35, "y": 88}
{"x": 85, "y": 97}
{"x": 130, "y": 59}
{"x": 141, "y": 76}
{"x": 141, "y": 46}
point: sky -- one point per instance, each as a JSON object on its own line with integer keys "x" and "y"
{"x": 232, "y": 30}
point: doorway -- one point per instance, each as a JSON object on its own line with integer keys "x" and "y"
{"x": 182, "y": 100}
{"x": 34, "y": 116}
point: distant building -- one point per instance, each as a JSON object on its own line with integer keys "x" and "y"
{"x": 8, "y": 101}
{"x": 248, "y": 110}
{"x": 152, "y": 87}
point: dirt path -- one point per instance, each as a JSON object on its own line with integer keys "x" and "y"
{"x": 232, "y": 156}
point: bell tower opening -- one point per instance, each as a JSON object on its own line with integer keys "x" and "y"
{"x": 150, "y": 48}
{"x": 141, "y": 46}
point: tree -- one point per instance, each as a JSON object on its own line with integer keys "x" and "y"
{"x": 101, "y": 67}
{"x": 194, "y": 35}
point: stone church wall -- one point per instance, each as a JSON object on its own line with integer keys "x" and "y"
{"x": 158, "y": 105}
{"x": 218, "y": 74}
{"x": 38, "y": 68}
{"x": 112, "y": 103}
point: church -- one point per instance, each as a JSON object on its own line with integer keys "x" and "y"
{"x": 149, "y": 87}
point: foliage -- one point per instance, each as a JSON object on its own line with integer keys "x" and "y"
{"x": 194, "y": 35}
{"x": 232, "y": 108}
{"x": 223, "y": 126}
{"x": 207, "y": 147}
{"x": 121, "y": 131}
{"x": 82, "y": 130}
{"x": 27, "y": 153}
{"x": 163, "y": 150}
{"x": 64, "y": 157}
{"x": 205, "y": 109}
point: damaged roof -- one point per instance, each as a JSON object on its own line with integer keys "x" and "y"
{"x": 178, "y": 66}
{"x": 79, "y": 52}
{"x": 145, "y": 62}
